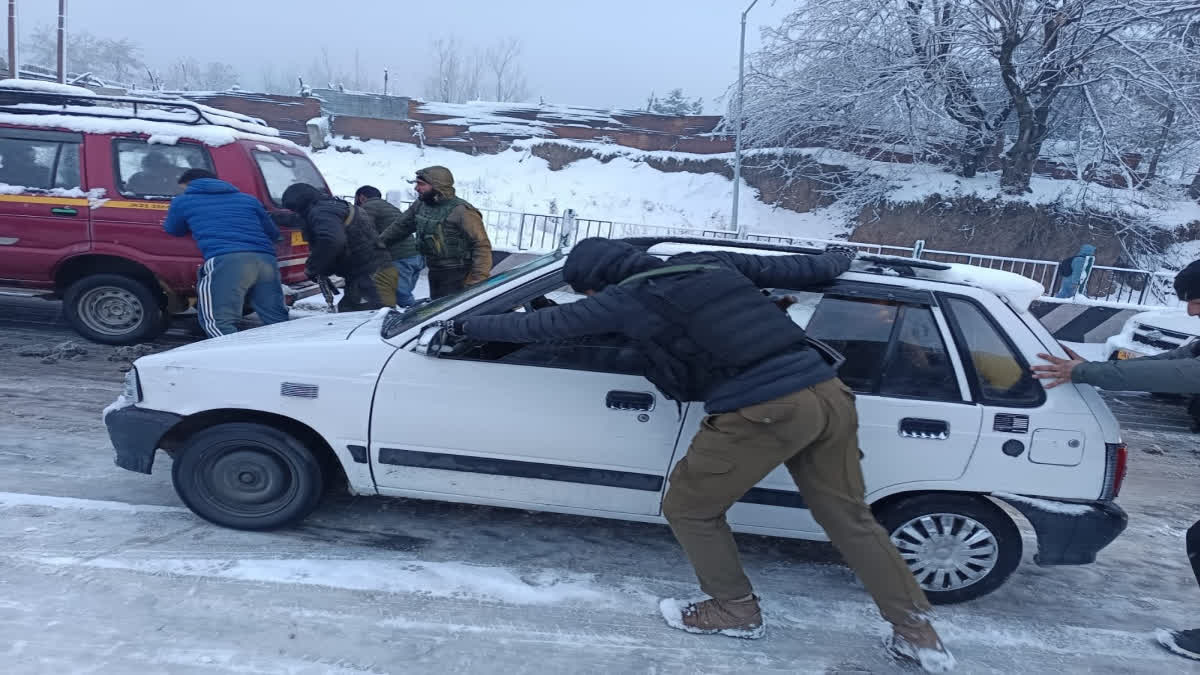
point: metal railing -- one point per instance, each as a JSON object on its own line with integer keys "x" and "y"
{"x": 1130, "y": 286}
{"x": 546, "y": 232}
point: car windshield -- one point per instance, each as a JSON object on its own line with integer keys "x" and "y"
{"x": 397, "y": 322}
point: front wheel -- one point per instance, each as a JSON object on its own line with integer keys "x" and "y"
{"x": 247, "y": 476}
{"x": 113, "y": 309}
{"x": 959, "y": 547}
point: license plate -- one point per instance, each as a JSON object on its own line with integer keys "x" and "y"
{"x": 298, "y": 239}
{"x": 1123, "y": 354}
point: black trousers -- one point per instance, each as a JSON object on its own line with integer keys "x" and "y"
{"x": 446, "y": 280}
{"x": 1193, "y": 548}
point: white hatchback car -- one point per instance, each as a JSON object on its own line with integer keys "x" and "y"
{"x": 261, "y": 422}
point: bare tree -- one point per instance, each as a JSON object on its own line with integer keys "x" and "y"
{"x": 118, "y": 60}
{"x": 503, "y": 64}
{"x": 456, "y": 73}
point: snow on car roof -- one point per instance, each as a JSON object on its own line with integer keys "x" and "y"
{"x": 48, "y": 87}
{"x": 1014, "y": 289}
{"x": 208, "y": 134}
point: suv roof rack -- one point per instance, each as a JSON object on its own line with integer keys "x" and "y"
{"x": 15, "y": 100}
{"x": 905, "y": 266}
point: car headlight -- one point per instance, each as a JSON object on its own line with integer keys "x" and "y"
{"x": 132, "y": 391}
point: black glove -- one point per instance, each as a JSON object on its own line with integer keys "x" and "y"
{"x": 452, "y": 328}
{"x": 850, "y": 252}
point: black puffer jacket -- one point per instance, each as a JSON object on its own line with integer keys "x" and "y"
{"x": 335, "y": 246}
{"x": 707, "y": 333}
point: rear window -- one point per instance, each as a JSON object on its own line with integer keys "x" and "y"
{"x": 280, "y": 171}
{"x": 1000, "y": 375}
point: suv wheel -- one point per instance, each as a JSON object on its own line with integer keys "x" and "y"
{"x": 959, "y": 547}
{"x": 113, "y": 309}
{"x": 247, "y": 476}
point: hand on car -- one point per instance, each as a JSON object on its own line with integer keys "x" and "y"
{"x": 452, "y": 328}
{"x": 1059, "y": 370}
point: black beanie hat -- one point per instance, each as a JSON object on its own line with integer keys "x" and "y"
{"x": 1187, "y": 282}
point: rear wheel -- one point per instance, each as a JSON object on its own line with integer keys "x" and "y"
{"x": 113, "y": 309}
{"x": 247, "y": 476}
{"x": 959, "y": 547}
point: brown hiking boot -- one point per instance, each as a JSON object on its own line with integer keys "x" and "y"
{"x": 921, "y": 645}
{"x": 742, "y": 619}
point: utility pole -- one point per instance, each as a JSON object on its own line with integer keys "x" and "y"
{"x": 62, "y": 41}
{"x": 737, "y": 152}
{"x": 14, "y": 71}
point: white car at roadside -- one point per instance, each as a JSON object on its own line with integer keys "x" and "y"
{"x": 259, "y": 424}
{"x": 1150, "y": 333}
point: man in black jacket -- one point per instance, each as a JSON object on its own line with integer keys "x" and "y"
{"x": 342, "y": 241}
{"x": 709, "y": 334}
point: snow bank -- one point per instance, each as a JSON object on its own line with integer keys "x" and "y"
{"x": 618, "y": 191}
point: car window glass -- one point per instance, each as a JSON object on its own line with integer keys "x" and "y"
{"x": 152, "y": 171}
{"x": 1002, "y": 375}
{"x": 610, "y": 353}
{"x": 919, "y": 365}
{"x": 66, "y": 174}
{"x": 860, "y": 329}
{"x": 280, "y": 171}
{"x": 30, "y": 163}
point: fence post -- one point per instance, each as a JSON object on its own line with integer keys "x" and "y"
{"x": 1145, "y": 287}
{"x": 918, "y": 249}
{"x": 569, "y": 227}
{"x": 1088, "y": 261}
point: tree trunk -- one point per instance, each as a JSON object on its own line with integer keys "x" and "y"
{"x": 1194, "y": 190}
{"x": 1161, "y": 145}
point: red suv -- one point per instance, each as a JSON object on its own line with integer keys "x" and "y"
{"x": 85, "y": 182}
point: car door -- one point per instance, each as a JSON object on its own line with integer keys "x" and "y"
{"x": 43, "y": 212}
{"x": 916, "y": 418}
{"x": 559, "y": 426}
{"x": 139, "y": 179}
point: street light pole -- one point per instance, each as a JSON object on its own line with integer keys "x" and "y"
{"x": 737, "y": 152}
{"x": 61, "y": 72}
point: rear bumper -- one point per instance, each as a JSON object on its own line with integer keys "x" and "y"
{"x": 135, "y": 434}
{"x": 1070, "y": 533}
{"x": 299, "y": 291}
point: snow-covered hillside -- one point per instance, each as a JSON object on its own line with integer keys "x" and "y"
{"x": 620, "y": 190}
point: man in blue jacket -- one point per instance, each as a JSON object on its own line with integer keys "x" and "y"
{"x": 237, "y": 238}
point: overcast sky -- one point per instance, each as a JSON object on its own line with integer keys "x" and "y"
{"x": 610, "y": 53}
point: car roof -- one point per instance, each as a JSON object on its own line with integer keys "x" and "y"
{"x": 1015, "y": 290}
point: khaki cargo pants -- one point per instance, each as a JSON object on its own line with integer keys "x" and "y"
{"x": 814, "y": 433}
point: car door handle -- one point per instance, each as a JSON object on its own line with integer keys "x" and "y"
{"x": 629, "y": 400}
{"x": 64, "y": 211}
{"x": 917, "y": 427}
{"x": 9, "y": 241}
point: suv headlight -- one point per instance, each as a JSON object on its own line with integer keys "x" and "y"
{"x": 132, "y": 391}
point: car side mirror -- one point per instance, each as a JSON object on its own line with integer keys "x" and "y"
{"x": 430, "y": 341}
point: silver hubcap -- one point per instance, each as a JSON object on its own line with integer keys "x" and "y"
{"x": 946, "y": 551}
{"x": 110, "y": 310}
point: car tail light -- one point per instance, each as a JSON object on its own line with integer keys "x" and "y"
{"x": 1115, "y": 465}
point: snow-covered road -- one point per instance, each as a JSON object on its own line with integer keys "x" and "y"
{"x": 102, "y": 570}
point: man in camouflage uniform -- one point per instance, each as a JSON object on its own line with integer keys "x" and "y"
{"x": 449, "y": 233}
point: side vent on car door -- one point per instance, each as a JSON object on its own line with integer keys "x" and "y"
{"x": 298, "y": 390}
{"x": 1011, "y": 424}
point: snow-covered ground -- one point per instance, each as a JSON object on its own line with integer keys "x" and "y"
{"x": 621, "y": 190}
{"x": 103, "y": 570}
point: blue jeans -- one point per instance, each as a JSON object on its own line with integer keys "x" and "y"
{"x": 409, "y": 270}
{"x": 225, "y": 283}
{"x": 1068, "y": 289}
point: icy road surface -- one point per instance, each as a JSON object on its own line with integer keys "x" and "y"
{"x": 102, "y": 571}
